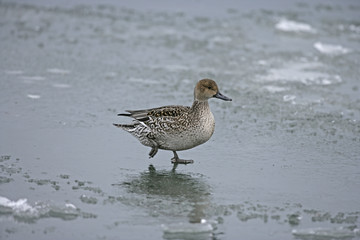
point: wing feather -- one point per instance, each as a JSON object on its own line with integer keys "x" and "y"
{"x": 144, "y": 115}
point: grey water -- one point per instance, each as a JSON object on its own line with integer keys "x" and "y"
{"x": 283, "y": 163}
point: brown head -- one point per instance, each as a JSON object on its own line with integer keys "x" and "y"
{"x": 207, "y": 88}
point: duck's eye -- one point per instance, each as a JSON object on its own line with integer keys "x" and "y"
{"x": 209, "y": 87}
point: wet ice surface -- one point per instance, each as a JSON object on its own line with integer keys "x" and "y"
{"x": 283, "y": 162}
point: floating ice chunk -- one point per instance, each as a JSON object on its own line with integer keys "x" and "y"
{"x": 33, "y": 96}
{"x": 328, "y": 233}
{"x": 188, "y": 228}
{"x": 330, "y": 49}
{"x": 87, "y": 199}
{"x": 70, "y": 205}
{"x": 292, "y": 26}
{"x": 289, "y": 98}
{"x": 57, "y": 71}
{"x": 69, "y": 212}
{"x": 20, "y": 205}
{"x": 22, "y": 211}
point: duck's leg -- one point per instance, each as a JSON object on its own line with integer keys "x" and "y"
{"x": 153, "y": 152}
{"x": 177, "y": 160}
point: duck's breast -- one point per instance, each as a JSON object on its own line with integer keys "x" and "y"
{"x": 187, "y": 134}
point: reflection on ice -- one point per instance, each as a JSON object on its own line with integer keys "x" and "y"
{"x": 169, "y": 193}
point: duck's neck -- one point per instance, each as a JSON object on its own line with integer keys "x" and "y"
{"x": 200, "y": 106}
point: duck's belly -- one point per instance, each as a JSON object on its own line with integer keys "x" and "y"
{"x": 187, "y": 139}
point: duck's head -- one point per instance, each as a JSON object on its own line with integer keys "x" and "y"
{"x": 207, "y": 88}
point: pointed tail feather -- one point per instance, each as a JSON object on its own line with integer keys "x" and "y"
{"x": 124, "y": 126}
{"x": 125, "y": 114}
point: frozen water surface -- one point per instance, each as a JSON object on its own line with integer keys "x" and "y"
{"x": 283, "y": 163}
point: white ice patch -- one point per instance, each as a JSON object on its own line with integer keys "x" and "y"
{"x": 18, "y": 206}
{"x": 61, "y": 85}
{"x": 289, "y": 98}
{"x": 33, "y": 78}
{"x": 307, "y": 73}
{"x": 187, "y": 228}
{"x": 69, "y": 205}
{"x": 14, "y": 72}
{"x": 353, "y": 28}
{"x": 330, "y": 49}
{"x": 33, "y": 96}
{"x": 292, "y": 26}
{"x": 275, "y": 89}
{"x": 21, "y": 210}
{"x": 220, "y": 39}
{"x": 262, "y": 62}
{"x": 142, "y": 80}
{"x": 58, "y": 71}
{"x": 175, "y": 68}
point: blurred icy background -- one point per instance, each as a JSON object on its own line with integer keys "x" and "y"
{"x": 283, "y": 162}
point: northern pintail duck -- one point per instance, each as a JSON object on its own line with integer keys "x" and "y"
{"x": 173, "y": 127}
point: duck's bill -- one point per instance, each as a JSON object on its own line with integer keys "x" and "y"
{"x": 222, "y": 97}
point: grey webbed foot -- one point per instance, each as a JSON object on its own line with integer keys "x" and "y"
{"x": 181, "y": 161}
{"x": 177, "y": 160}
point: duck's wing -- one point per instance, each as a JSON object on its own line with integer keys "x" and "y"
{"x": 167, "y": 111}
